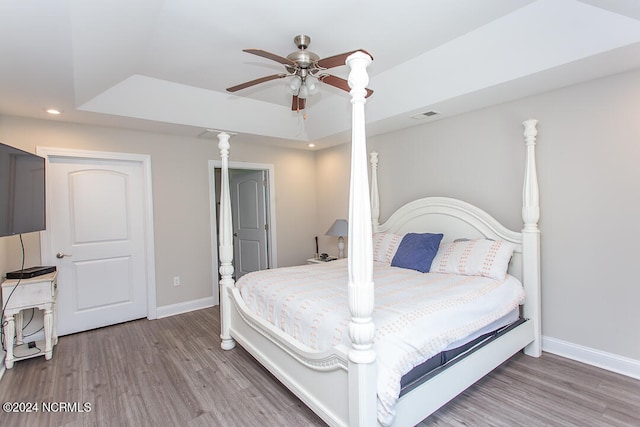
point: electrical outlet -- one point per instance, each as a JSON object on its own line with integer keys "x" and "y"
{"x": 176, "y": 281}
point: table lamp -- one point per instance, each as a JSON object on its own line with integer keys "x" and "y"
{"x": 339, "y": 228}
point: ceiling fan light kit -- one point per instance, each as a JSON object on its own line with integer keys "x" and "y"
{"x": 306, "y": 69}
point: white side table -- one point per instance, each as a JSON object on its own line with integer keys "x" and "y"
{"x": 37, "y": 292}
{"x": 320, "y": 261}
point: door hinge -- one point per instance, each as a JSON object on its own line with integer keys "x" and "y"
{"x": 266, "y": 227}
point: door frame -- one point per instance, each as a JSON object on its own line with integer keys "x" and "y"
{"x": 272, "y": 252}
{"x": 46, "y": 249}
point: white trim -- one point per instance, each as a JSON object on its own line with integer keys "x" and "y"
{"x": 214, "y": 235}
{"x": 46, "y": 251}
{"x": 600, "y": 359}
{"x": 186, "y": 306}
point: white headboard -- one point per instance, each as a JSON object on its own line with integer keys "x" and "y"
{"x": 456, "y": 220}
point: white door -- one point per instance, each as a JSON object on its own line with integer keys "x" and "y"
{"x": 248, "y": 192}
{"x": 97, "y": 231}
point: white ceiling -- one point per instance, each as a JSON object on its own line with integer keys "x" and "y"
{"x": 164, "y": 65}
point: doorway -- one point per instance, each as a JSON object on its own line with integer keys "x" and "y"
{"x": 253, "y": 215}
{"x": 100, "y": 237}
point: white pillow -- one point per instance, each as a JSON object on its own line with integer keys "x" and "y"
{"x": 480, "y": 257}
{"x": 385, "y": 246}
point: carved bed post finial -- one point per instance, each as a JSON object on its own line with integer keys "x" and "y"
{"x": 375, "y": 195}
{"x": 225, "y": 239}
{"x": 362, "y": 357}
{"x": 531, "y": 239}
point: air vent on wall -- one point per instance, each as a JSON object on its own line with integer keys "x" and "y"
{"x": 425, "y": 115}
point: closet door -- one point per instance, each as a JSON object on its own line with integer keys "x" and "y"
{"x": 248, "y": 194}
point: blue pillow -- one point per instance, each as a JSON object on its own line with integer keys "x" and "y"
{"x": 416, "y": 251}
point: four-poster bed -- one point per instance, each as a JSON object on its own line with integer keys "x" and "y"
{"x": 340, "y": 382}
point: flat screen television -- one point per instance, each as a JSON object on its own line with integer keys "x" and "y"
{"x": 22, "y": 191}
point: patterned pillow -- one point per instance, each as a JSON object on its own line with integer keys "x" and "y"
{"x": 479, "y": 257}
{"x": 385, "y": 246}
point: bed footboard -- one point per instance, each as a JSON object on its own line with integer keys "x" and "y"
{"x": 319, "y": 379}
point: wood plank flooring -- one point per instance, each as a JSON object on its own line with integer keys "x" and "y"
{"x": 172, "y": 372}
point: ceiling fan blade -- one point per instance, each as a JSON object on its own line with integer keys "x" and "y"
{"x": 297, "y": 103}
{"x": 340, "y": 83}
{"x": 337, "y": 60}
{"x": 255, "y": 82}
{"x": 271, "y": 56}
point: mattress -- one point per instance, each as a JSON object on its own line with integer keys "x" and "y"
{"x": 417, "y": 315}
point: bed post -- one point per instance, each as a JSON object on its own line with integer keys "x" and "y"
{"x": 531, "y": 239}
{"x": 362, "y": 358}
{"x": 375, "y": 195}
{"x": 225, "y": 251}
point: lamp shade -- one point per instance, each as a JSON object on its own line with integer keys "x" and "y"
{"x": 339, "y": 228}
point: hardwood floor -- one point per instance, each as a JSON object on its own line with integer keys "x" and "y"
{"x": 171, "y": 372}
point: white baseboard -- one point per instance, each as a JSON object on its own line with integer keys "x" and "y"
{"x": 184, "y": 307}
{"x": 601, "y": 359}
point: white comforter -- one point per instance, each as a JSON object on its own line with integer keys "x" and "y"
{"x": 416, "y": 315}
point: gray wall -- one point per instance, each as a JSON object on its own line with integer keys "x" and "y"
{"x": 588, "y": 153}
{"x": 180, "y": 182}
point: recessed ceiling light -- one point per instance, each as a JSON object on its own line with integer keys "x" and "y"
{"x": 311, "y": 145}
{"x": 53, "y": 111}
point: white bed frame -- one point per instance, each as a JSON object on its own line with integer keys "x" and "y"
{"x": 340, "y": 384}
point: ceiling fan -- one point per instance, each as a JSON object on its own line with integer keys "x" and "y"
{"x": 306, "y": 68}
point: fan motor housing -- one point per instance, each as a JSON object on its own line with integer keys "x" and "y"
{"x": 303, "y": 58}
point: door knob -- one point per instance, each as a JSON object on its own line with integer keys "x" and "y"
{"x": 61, "y": 255}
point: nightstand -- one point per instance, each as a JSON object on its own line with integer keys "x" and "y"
{"x": 320, "y": 261}
{"x": 37, "y": 292}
